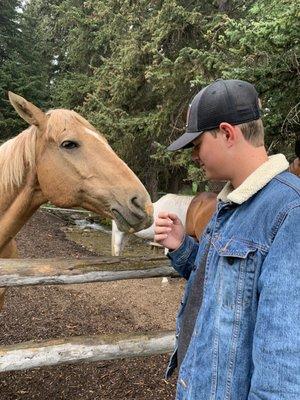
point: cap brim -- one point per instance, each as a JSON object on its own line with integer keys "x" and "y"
{"x": 184, "y": 141}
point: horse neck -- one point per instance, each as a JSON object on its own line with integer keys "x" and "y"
{"x": 16, "y": 214}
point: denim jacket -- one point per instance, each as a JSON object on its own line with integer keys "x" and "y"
{"x": 246, "y": 340}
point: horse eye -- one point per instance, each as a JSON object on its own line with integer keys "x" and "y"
{"x": 69, "y": 145}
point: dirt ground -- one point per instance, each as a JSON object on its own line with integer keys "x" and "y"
{"x": 45, "y": 312}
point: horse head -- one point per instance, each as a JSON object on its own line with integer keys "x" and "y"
{"x": 76, "y": 167}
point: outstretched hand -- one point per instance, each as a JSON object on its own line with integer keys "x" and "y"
{"x": 169, "y": 230}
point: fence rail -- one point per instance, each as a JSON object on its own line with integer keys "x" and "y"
{"x": 56, "y": 271}
{"x": 83, "y": 349}
{"x": 21, "y": 272}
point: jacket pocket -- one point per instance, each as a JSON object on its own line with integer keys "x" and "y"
{"x": 238, "y": 260}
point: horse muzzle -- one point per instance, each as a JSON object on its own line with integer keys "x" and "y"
{"x": 135, "y": 217}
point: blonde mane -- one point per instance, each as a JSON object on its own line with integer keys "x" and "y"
{"x": 16, "y": 155}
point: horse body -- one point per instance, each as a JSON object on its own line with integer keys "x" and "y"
{"x": 63, "y": 159}
{"x": 294, "y": 167}
{"x": 199, "y": 213}
{"x": 170, "y": 202}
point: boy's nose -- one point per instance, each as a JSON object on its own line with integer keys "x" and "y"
{"x": 195, "y": 156}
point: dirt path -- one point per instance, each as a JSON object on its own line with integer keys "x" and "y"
{"x": 45, "y": 312}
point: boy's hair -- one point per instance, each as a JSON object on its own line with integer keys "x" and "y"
{"x": 253, "y": 132}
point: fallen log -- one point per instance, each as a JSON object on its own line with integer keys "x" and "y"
{"x": 83, "y": 349}
{"x": 55, "y": 271}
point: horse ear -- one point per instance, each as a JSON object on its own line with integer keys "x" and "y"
{"x": 28, "y": 111}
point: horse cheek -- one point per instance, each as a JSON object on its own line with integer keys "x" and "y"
{"x": 56, "y": 188}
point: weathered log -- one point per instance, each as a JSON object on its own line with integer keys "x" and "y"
{"x": 18, "y": 272}
{"x": 84, "y": 348}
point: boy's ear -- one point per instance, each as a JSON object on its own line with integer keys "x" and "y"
{"x": 229, "y": 132}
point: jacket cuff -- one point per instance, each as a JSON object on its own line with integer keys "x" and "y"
{"x": 182, "y": 254}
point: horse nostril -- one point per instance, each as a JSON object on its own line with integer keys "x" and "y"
{"x": 139, "y": 209}
{"x": 135, "y": 202}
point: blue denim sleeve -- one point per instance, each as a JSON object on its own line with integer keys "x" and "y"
{"x": 182, "y": 259}
{"x": 276, "y": 342}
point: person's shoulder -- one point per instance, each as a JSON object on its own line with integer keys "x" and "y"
{"x": 281, "y": 193}
{"x": 281, "y": 197}
{"x": 289, "y": 183}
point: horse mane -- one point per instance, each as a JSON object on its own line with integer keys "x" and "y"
{"x": 16, "y": 156}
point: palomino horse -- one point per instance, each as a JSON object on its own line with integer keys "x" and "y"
{"x": 172, "y": 202}
{"x": 63, "y": 159}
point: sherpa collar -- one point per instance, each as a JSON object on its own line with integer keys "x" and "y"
{"x": 256, "y": 181}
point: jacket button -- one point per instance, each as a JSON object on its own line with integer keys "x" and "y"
{"x": 230, "y": 260}
{"x": 208, "y": 230}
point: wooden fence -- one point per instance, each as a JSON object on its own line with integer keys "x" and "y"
{"x": 85, "y": 348}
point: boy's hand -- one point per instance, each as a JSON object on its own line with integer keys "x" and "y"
{"x": 169, "y": 231}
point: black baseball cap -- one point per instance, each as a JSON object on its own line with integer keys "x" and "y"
{"x": 231, "y": 101}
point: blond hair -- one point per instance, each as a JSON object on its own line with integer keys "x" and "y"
{"x": 253, "y": 132}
